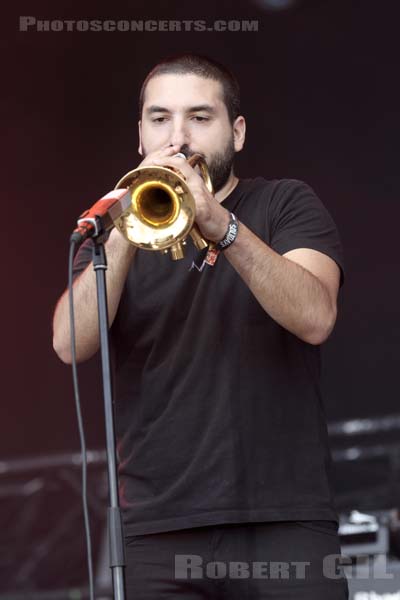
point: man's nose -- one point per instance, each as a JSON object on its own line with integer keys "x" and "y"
{"x": 179, "y": 135}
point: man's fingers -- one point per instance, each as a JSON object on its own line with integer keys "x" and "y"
{"x": 163, "y": 152}
{"x": 175, "y": 163}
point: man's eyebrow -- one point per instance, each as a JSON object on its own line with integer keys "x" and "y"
{"x": 154, "y": 108}
{"x": 202, "y": 107}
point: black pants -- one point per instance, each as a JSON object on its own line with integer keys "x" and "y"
{"x": 285, "y": 560}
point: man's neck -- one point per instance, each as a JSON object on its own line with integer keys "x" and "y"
{"x": 227, "y": 188}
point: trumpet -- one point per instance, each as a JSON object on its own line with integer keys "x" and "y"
{"x": 162, "y": 210}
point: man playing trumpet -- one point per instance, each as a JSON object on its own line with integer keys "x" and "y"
{"x": 221, "y": 433}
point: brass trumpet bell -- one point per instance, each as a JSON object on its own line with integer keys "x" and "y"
{"x": 162, "y": 210}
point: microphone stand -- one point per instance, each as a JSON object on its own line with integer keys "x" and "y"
{"x": 117, "y": 555}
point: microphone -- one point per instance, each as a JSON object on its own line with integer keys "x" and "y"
{"x": 101, "y": 216}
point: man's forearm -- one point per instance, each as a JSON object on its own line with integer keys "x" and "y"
{"x": 290, "y": 294}
{"x": 119, "y": 257}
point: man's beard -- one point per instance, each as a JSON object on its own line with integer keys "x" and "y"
{"x": 219, "y": 165}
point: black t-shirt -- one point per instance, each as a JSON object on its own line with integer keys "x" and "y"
{"x": 219, "y": 416}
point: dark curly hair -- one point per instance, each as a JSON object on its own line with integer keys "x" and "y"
{"x": 202, "y": 66}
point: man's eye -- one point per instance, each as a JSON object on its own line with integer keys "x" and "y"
{"x": 159, "y": 120}
{"x": 200, "y": 119}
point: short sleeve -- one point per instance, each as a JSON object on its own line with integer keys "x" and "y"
{"x": 82, "y": 258}
{"x": 298, "y": 219}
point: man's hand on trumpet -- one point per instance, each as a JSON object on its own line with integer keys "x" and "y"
{"x": 211, "y": 218}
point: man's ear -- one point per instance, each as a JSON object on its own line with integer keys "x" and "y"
{"x": 239, "y": 132}
{"x": 140, "y": 150}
